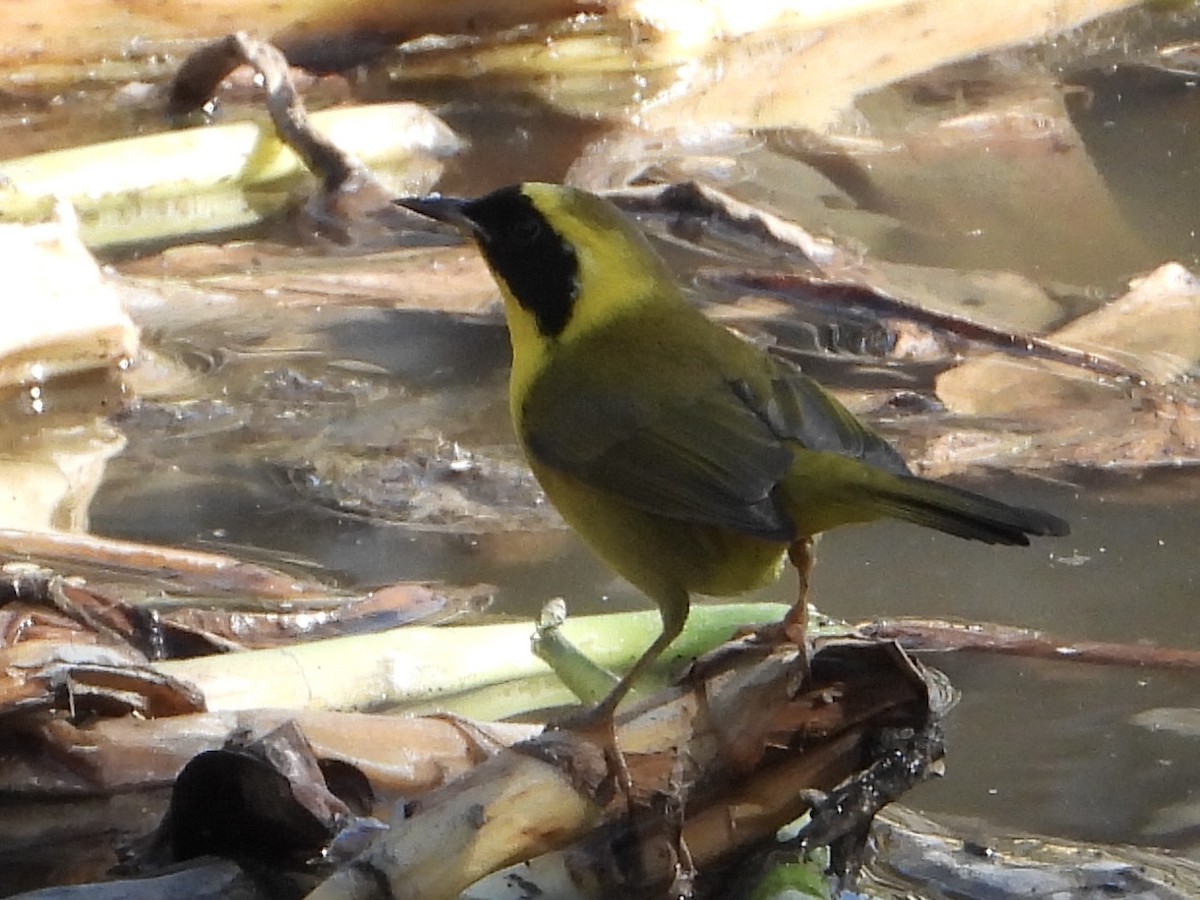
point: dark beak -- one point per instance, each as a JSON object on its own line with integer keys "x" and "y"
{"x": 444, "y": 209}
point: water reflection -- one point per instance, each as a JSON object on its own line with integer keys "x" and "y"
{"x": 1126, "y": 573}
{"x": 265, "y": 402}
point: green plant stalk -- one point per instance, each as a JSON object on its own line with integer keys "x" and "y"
{"x": 423, "y": 664}
{"x": 586, "y": 680}
{"x": 797, "y": 879}
{"x": 203, "y": 180}
{"x": 499, "y": 701}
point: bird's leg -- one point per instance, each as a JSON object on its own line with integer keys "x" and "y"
{"x": 598, "y": 724}
{"x": 764, "y": 639}
{"x": 674, "y": 614}
{"x": 795, "y": 623}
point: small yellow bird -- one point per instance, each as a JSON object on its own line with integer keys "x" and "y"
{"x": 688, "y": 459}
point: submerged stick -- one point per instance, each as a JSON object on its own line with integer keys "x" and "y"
{"x": 939, "y": 635}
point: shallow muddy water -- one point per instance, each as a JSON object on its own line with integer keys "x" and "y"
{"x": 285, "y": 420}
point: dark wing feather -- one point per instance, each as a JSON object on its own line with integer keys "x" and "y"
{"x": 711, "y": 444}
{"x": 799, "y": 409}
{"x": 708, "y": 459}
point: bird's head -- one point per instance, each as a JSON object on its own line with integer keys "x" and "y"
{"x": 564, "y": 258}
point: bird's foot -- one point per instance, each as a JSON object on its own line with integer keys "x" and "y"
{"x": 597, "y": 726}
{"x": 758, "y": 642}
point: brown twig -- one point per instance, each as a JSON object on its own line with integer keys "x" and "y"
{"x": 844, "y": 292}
{"x": 840, "y": 293}
{"x": 930, "y": 635}
{"x": 202, "y": 72}
{"x": 189, "y": 571}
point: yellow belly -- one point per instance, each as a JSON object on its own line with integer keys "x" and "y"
{"x": 658, "y": 555}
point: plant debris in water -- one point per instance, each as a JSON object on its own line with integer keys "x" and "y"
{"x": 434, "y": 484}
{"x": 90, "y": 709}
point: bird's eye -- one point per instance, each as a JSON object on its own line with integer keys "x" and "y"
{"x": 525, "y": 231}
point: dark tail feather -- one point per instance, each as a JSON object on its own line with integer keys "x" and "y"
{"x": 964, "y": 513}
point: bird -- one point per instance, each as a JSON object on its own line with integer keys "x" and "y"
{"x": 688, "y": 459}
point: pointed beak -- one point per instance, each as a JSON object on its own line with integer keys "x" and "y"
{"x": 450, "y": 210}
